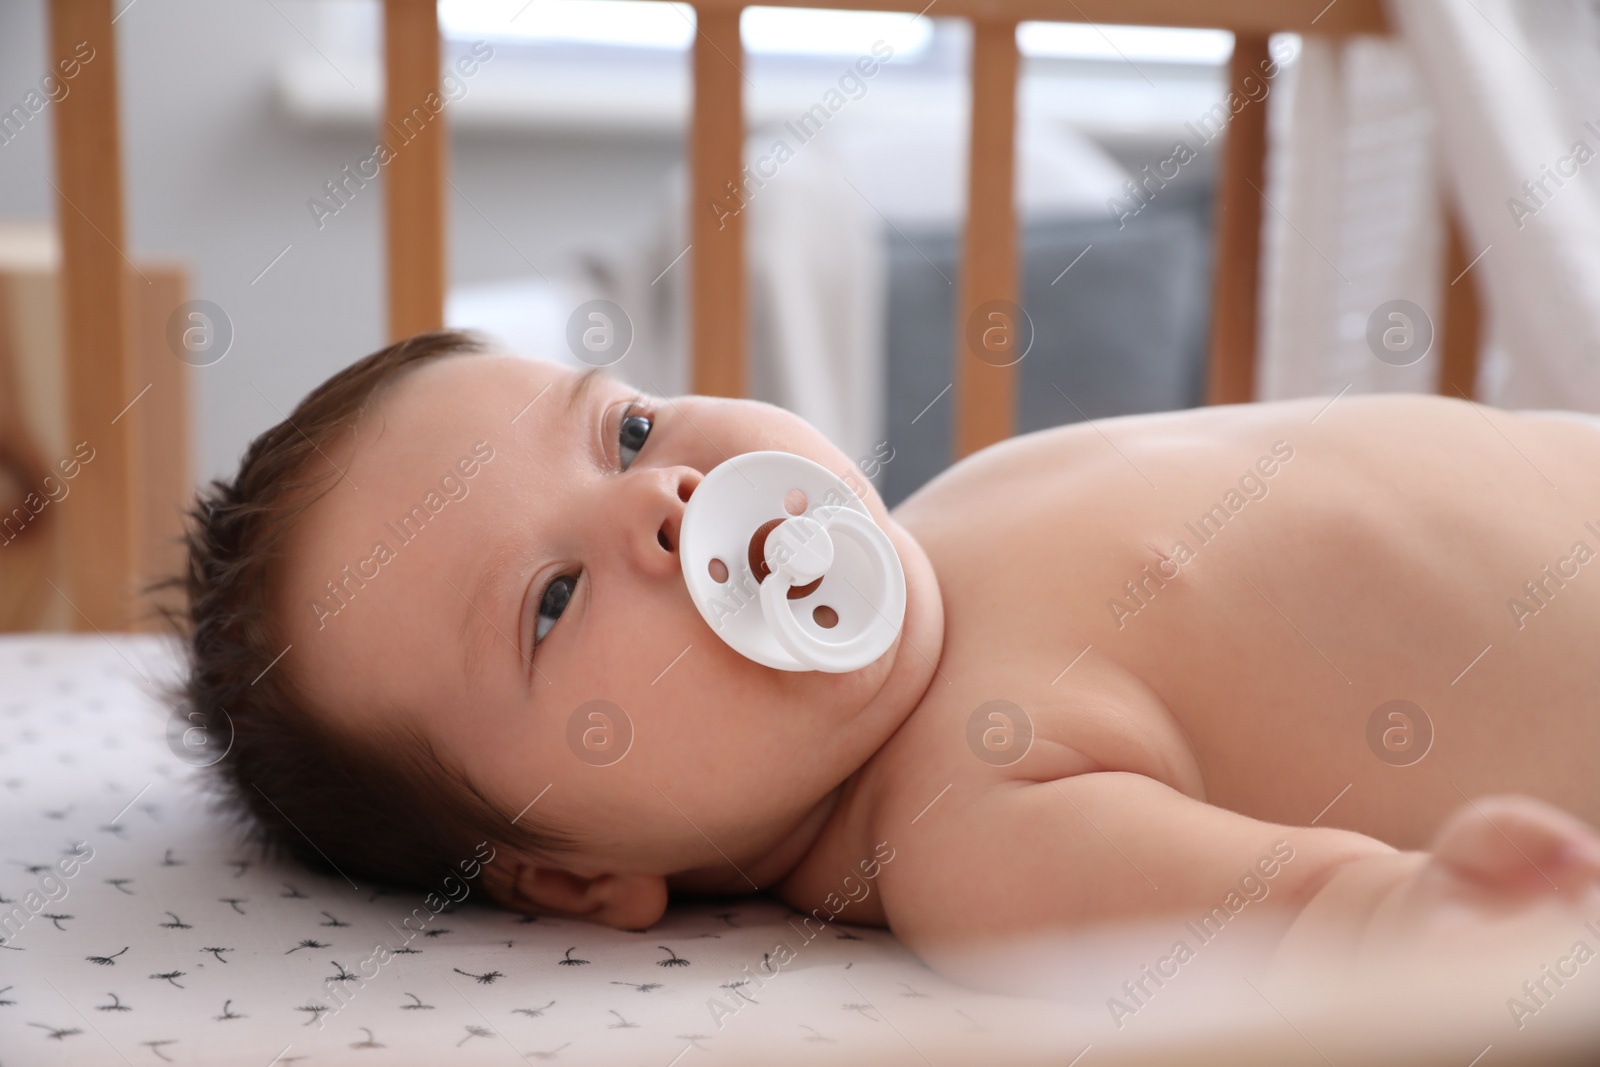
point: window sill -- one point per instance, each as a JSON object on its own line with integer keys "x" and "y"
{"x": 617, "y": 99}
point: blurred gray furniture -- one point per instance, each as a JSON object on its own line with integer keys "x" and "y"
{"x": 1124, "y": 330}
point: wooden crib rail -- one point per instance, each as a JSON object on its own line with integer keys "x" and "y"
{"x": 717, "y": 305}
{"x": 1235, "y": 274}
{"x": 1239, "y": 16}
{"x": 985, "y": 384}
{"x": 414, "y": 200}
{"x": 103, "y": 538}
{"x": 985, "y": 322}
{"x": 101, "y": 533}
{"x": 717, "y": 311}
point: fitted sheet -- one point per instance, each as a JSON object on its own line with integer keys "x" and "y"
{"x": 173, "y": 941}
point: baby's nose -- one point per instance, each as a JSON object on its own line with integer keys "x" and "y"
{"x": 666, "y": 495}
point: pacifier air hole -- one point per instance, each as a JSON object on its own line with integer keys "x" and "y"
{"x": 825, "y": 617}
{"x": 758, "y": 553}
{"x": 718, "y": 571}
{"x": 794, "y": 502}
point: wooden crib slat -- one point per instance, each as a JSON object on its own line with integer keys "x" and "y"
{"x": 101, "y": 541}
{"x": 1241, "y": 16}
{"x": 1458, "y": 345}
{"x": 1231, "y": 374}
{"x": 717, "y": 313}
{"x": 985, "y": 392}
{"x": 414, "y": 129}
{"x": 160, "y": 434}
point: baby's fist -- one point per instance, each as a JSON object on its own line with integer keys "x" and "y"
{"x": 1507, "y": 849}
{"x": 1502, "y": 873}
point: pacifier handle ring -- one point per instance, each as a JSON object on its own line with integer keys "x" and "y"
{"x": 838, "y": 657}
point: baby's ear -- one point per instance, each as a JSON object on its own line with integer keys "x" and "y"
{"x": 623, "y": 901}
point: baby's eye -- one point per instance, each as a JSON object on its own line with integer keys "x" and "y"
{"x": 631, "y": 435}
{"x": 554, "y": 601}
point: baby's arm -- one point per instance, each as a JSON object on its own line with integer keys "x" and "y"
{"x": 1005, "y": 862}
{"x": 1494, "y": 856}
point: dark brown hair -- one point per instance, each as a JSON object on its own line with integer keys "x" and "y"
{"x": 382, "y": 808}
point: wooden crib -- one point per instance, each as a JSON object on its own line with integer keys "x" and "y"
{"x": 107, "y": 540}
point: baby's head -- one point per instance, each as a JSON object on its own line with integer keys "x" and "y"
{"x": 459, "y": 549}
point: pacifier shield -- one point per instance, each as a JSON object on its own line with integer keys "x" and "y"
{"x": 786, "y": 565}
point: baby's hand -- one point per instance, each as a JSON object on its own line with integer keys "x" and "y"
{"x": 1503, "y": 873}
{"x": 1438, "y": 939}
{"x": 1497, "y": 855}
{"x": 1500, "y": 870}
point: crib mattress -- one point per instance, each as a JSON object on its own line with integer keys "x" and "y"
{"x": 174, "y": 941}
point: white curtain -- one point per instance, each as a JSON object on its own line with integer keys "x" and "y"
{"x": 1516, "y": 88}
{"x": 1351, "y": 218}
{"x": 1372, "y": 139}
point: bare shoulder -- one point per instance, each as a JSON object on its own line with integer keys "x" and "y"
{"x": 1396, "y": 417}
{"x": 984, "y": 727}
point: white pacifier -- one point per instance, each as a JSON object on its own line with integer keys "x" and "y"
{"x": 786, "y": 565}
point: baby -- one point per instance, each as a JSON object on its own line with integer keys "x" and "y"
{"x": 1143, "y": 663}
